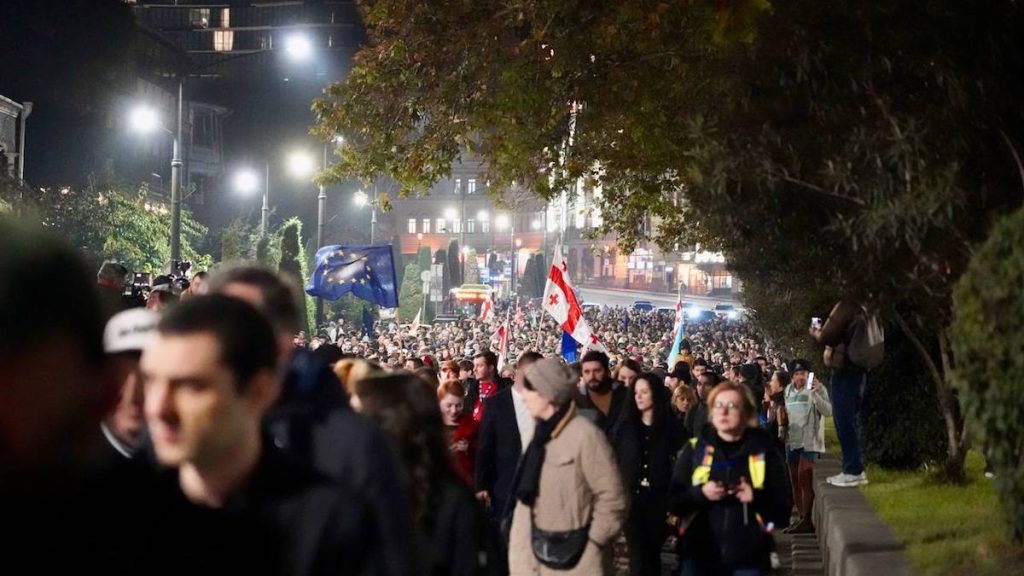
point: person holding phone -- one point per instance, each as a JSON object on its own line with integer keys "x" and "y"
{"x": 729, "y": 490}
{"x": 807, "y": 404}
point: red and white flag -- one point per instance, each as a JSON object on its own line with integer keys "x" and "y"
{"x": 560, "y": 302}
{"x": 415, "y": 323}
{"x": 487, "y": 310}
{"x": 502, "y": 336}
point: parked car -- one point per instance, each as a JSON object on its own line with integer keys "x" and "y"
{"x": 729, "y": 311}
{"x": 643, "y": 305}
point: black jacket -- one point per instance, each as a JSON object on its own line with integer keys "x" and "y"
{"x": 315, "y": 427}
{"x": 473, "y": 391}
{"x": 664, "y": 443}
{"x": 725, "y": 535}
{"x": 285, "y": 520}
{"x": 605, "y": 422}
{"x": 499, "y": 448}
{"x": 697, "y": 417}
{"x": 457, "y": 537}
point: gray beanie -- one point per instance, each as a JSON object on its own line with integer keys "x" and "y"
{"x": 553, "y": 380}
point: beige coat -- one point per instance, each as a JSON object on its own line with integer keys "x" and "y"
{"x": 579, "y": 480}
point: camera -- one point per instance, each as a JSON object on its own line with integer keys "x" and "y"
{"x": 179, "y": 275}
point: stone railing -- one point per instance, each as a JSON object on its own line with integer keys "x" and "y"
{"x": 853, "y": 541}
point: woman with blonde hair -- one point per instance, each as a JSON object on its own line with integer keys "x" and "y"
{"x": 683, "y": 400}
{"x": 729, "y": 489}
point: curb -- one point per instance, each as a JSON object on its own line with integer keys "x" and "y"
{"x": 853, "y": 541}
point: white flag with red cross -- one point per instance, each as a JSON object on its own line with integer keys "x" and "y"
{"x": 487, "y": 310}
{"x": 501, "y": 335}
{"x": 560, "y": 302}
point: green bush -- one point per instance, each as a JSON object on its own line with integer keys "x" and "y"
{"x": 987, "y": 336}
{"x": 902, "y": 426}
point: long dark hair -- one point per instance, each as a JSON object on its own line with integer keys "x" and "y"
{"x": 405, "y": 406}
{"x": 661, "y": 400}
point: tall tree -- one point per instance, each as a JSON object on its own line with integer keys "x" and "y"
{"x": 864, "y": 145}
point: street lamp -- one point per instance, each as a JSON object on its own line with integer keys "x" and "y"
{"x": 300, "y": 164}
{"x": 298, "y": 46}
{"x": 362, "y": 199}
{"x": 247, "y": 182}
{"x": 145, "y": 120}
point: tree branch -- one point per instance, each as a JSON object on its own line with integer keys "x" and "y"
{"x": 820, "y": 190}
{"x": 953, "y": 450}
{"x": 1016, "y": 157}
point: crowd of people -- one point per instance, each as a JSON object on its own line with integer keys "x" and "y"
{"x": 209, "y": 435}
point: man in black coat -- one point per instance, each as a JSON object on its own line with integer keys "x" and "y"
{"x": 234, "y": 502}
{"x": 505, "y": 431}
{"x": 313, "y": 424}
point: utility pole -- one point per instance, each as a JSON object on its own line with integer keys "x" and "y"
{"x": 176, "y": 170}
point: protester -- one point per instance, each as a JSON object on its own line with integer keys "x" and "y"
{"x": 313, "y": 423}
{"x": 486, "y": 383}
{"x": 729, "y": 489}
{"x": 600, "y": 399}
{"x": 684, "y": 399}
{"x": 568, "y": 481}
{"x": 124, "y": 339}
{"x": 646, "y": 441}
{"x": 848, "y": 384}
{"x": 627, "y": 372}
{"x": 210, "y": 376}
{"x": 450, "y": 525}
{"x": 461, "y": 431}
{"x": 807, "y": 404}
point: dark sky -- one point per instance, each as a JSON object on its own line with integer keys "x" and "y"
{"x": 70, "y": 58}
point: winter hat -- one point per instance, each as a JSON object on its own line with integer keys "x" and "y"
{"x": 553, "y": 380}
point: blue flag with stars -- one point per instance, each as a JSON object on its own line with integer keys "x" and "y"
{"x": 368, "y": 272}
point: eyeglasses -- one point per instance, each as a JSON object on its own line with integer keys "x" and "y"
{"x": 726, "y": 406}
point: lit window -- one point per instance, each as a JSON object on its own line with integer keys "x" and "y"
{"x": 224, "y": 40}
{"x": 412, "y": 225}
{"x": 485, "y": 226}
{"x": 470, "y": 225}
{"x": 440, "y": 225}
{"x": 199, "y": 17}
{"x": 426, "y": 226}
{"x": 458, "y": 186}
{"x": 471, "y": 186}
{"x": 456, "y": 226}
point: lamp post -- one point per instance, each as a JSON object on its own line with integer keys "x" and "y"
{"x": 144, "y": 120}
{"x": 362, "y": 199}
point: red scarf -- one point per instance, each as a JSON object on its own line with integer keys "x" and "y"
{"x": 487, "y": 389}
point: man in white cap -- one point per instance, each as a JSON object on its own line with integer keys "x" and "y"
{"x": 127, "y": 333}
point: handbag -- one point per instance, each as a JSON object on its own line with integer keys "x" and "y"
{"x": 560, "y": 550}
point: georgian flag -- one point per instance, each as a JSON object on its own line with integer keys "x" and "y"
{"x": 502, "y": 337}
{"x": 487, "y": 310}
{"x": 415, "y": 323}
{"x": 560, "y": 302}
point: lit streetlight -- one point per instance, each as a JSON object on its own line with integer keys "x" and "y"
{"x": 298, "y": 46}
{"x": 301, "y": 164}
{"x": 482, "y": 215}
{"x": 362, "y": 199}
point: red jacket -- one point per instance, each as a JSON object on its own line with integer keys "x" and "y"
{"x": 468, "y": 429}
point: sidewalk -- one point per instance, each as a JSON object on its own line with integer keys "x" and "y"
{"x": 799, "y": 556}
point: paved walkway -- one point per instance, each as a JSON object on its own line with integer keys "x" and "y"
{"x": 799, "y": 555}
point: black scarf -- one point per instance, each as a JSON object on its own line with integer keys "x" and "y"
{"x": 533, "y": 459}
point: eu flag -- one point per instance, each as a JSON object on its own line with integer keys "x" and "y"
{"x": 368, "y": 272}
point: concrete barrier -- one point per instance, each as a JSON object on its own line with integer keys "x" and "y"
{"x": 853, "y": 541}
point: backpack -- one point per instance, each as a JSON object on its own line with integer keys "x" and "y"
{"x": 866, "y": 348}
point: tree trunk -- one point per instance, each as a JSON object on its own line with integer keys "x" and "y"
{"x": 956, "y": 450}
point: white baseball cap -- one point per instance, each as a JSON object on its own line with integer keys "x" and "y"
{"x": 130, "y": 330}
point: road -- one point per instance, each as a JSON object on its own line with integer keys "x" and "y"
{"x": 626, "y": 297}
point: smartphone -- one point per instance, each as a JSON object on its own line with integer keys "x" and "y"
{"x": 810, "y": 379}
{"x": 816, "y": 322}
